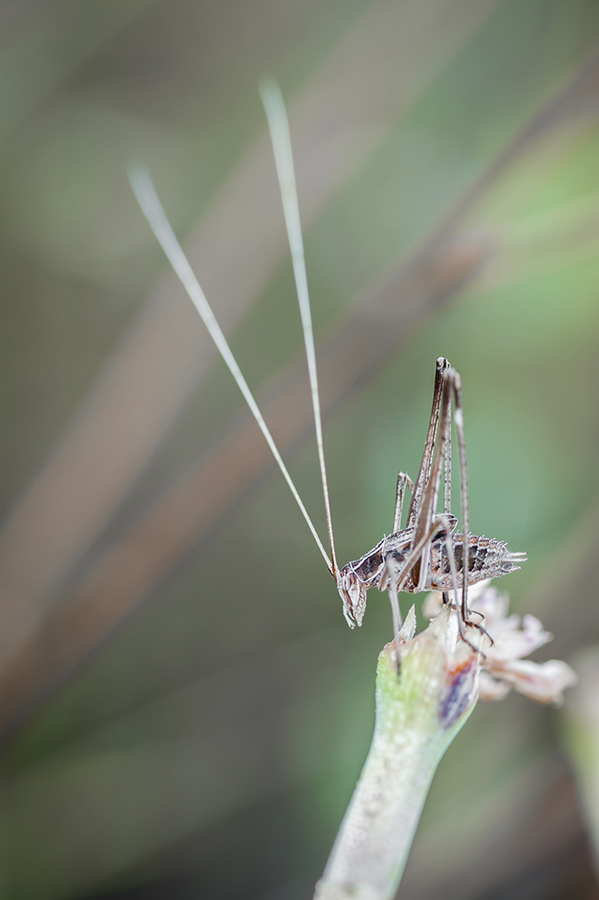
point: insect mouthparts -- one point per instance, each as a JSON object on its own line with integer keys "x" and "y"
{"x": 352, "y": 591}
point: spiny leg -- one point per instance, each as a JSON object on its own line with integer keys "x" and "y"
{"x": 452, "y": 384}
{"x": 447, "y": 472}
{"x": 456, "y": 383}
{"x": 402, "y": 480}
{"x": 427, "y": 503}
{"x": 480, "y": 625}
{"x": 393, "y": 595}
{"x": 394, "y": 586}
{"x": 425, "y": 466}
{"x": 454, "y": 581}
{"x": 428, "y": 506}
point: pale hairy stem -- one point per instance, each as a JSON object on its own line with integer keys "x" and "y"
{"x": 417, "y": 717}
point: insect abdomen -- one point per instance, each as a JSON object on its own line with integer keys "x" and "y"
{"x": 487, "y": 558}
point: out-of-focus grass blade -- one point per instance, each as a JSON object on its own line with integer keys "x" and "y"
{"x": 46, "y": 48}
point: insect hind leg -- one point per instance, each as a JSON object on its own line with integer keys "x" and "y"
{"x": 462, "y": 621}
{"x": 480, "y": 626}
{"x": 452, "y": 383}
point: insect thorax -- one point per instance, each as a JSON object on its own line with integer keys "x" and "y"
{"x": 487, "y": 558}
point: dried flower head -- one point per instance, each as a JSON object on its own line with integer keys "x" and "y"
{"x": 508, "y": 639}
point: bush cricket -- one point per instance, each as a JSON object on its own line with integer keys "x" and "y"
{"x": 428, "y": 553}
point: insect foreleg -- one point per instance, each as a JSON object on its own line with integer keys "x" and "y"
{"x": 394, "y": 581}
{"x": 396, "y": 617}
{"x": 402, "y": 481}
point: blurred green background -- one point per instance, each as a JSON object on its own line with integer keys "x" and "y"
{"x": 184, "y": 711}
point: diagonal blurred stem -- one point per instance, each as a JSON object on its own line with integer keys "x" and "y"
{"x": 143, "y": 557}
{"x": 29, "y": 72}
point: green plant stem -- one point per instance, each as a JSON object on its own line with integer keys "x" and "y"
{"x": 418, "y": 714}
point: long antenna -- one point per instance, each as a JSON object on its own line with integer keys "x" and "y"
{"x": 158, "y": 222}
{"x": 281, "y": 142}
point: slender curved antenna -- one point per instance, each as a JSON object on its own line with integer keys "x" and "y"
{"x": 278, "y": 124}
{"x": 151, "y": 207}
